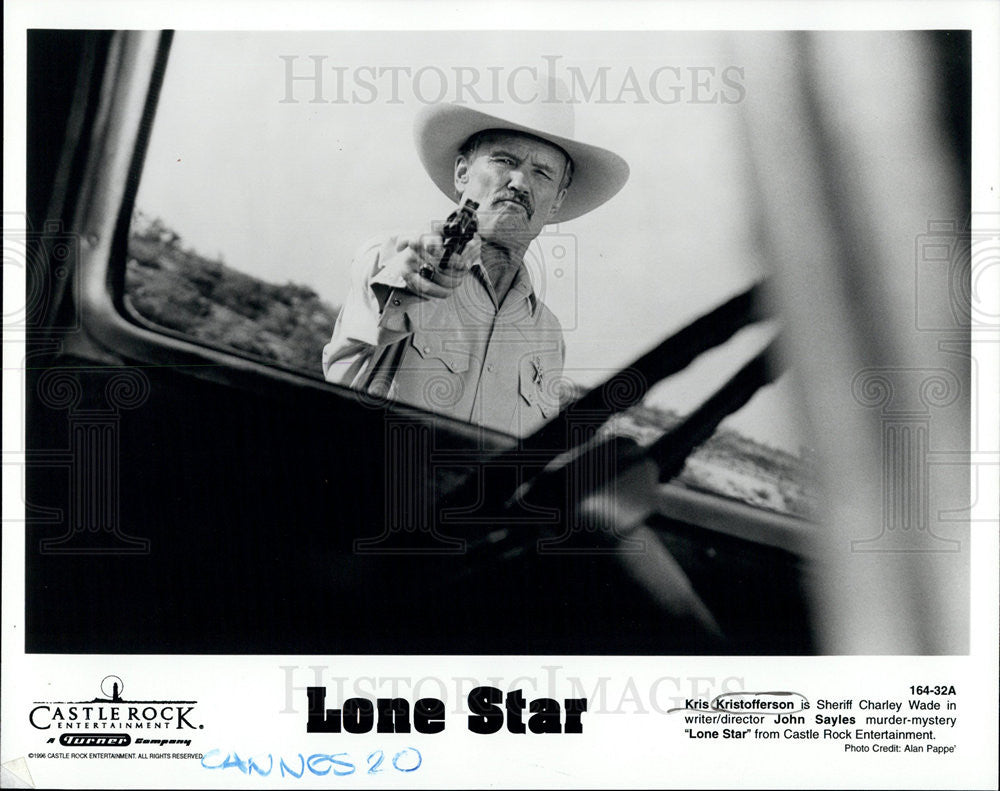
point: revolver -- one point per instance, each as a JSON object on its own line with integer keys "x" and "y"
{"x": 458, "y": 231}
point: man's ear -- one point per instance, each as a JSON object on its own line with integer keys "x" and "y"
{"x": 557, "y": 202}
{"x": 461, "y": 173}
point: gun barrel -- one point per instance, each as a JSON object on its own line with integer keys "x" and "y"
{"x": 458, "y": 230}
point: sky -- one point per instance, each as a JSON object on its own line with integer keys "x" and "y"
{"x": 284, "y": 176}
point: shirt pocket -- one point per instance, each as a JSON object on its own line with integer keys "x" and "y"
{"x": 538, "y": 382}
{"x": 430, "y": 346}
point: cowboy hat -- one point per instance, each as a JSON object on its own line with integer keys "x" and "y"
{"x": 440, "y": 130}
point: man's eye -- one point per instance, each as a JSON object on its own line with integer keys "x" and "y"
{"x": 544, "y": 175}
{"x": 504, "y": 160}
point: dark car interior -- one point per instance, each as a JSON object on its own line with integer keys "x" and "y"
{"x": 182, "y": 498}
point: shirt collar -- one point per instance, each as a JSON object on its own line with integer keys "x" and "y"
{"x": 521, "y": 284}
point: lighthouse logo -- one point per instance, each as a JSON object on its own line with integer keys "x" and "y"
{"x": 114, "y": 710}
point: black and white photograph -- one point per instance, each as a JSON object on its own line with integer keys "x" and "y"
{"x": 372, "y": 372}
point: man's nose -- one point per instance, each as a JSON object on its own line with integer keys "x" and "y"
{"x": 517, "y": 181}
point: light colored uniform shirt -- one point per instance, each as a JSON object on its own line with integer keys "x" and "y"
{"x": 462, "y": 356}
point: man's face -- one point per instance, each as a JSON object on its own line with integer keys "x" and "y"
{"x": 517, "y": 181}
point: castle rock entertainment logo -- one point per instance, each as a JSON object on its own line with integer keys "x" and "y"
{"x": 110, "y": 711}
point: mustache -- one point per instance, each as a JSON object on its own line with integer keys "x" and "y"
{"x": 516, "y": 197}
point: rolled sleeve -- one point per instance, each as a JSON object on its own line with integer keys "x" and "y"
{"x": 374, "y": 314}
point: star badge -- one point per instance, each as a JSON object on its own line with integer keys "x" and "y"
{"x": 536, "y": 364}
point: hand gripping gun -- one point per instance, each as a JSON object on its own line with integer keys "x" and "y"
{"x": 458, "y": 231}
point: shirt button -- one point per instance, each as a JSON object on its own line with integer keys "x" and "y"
{"x": 491, "y": 367}
{"x": 396, "y": 302}
{"x": 427, "y": 350}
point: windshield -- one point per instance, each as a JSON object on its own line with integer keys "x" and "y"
{"x": 275, "y": 158}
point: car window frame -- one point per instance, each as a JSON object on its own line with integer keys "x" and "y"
{"x": 128, "y": 102}
{"x": 125, "y": 117}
